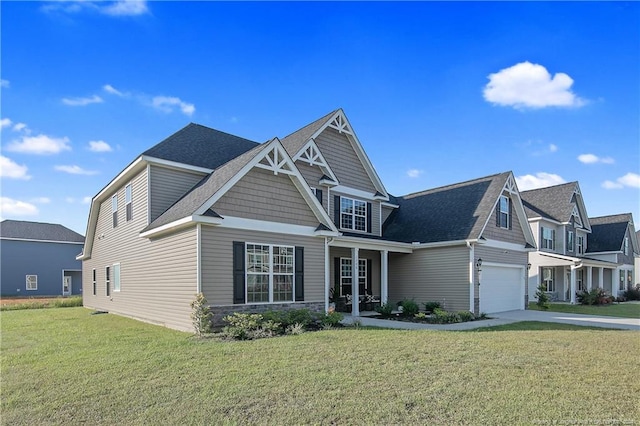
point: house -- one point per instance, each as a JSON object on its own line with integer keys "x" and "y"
{"x": 288, "y": 223}
{"x": 636, "y": 263}
{"x": 562, "y": 264}
{"x": 39, "y": 259}
{"x": 613, "y": 239}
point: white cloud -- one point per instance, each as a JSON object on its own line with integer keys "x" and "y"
{"x": 539, "y": 180}
{"x": 40, "y": 200}
{"x": 631, "y": 180}
{"x": 99, "y": 146}
{"x": 414, "y": 173}
{"x": 4, "y": 83}
{"x": 19, "y": 127}
{"x": 126, "y": 8}
{"x": 166, "y": 104}
{"x": 112, "y": 90}
{"x": 592, "y": 159}
{"x": 86, "y": 200}
{"x": 95, "y": 99}
{"x": 75, "y": 170}
{"x": 553, "y": 147}
{"x": 607, "y": 184}
{"x": 527, "y": 85}
{"x": 40, "y": 144}
{"x": 12, "y": 170}
{"x": 5, "y": 122}
{"x": 11, "y": 207}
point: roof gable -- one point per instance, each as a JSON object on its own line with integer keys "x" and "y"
{"x": 608, "y": 233}
{"x": 559, "y": 203}
{"x": 38, "y": 231}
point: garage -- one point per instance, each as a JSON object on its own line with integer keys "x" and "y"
{"x": 501, "y": 288}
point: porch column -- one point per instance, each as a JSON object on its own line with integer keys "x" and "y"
{"x": 600, "y": 277}
{"x": 355, "y": 282}
{"x": 572, "y": 279}
{"x": 589, "y": 278}
{"x": 615, "y": 282}
{"x": 384, "y": 276}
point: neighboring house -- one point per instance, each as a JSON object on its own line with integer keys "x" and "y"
{"x": 39, "y": 259}
{"x": 613, "y": 239}
{"x": 289, "y": 223}
{"x": 561, "y": 225}
{"x": 636, "y": 269}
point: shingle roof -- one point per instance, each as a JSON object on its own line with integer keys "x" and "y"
{"x": 200, "y": 146}
{"x": 608, "y": 232}
{"x": 450, "y": 213}
{"x": 553, "y": 202}
{"x": 296, "y": 140}
{"x": 38, "y": 231}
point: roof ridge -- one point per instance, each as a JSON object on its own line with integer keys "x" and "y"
{"x": 550, "y": 187}
{"x": 323, "y": 118}
{"x": 425, "y": 191}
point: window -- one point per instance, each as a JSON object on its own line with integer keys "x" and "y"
{"x": 128, "y": 205}
{"x": 114, "y": 209}
{"x": 346, "y": 276}
{"x": 107, "y": 280}
{"x": 116, "y": 277}
{"x": 93, "y": 280}
{"x": 548, "y": 281}
{"x": 581, "y": 245}
{"x": 548, "y": 238}
{"x": 623, "y": 281}
{"x": 626, "y": 246}
{"x": 318, "y": 193}
{"x": 270, "y": 273}
{"x": 504, "y": 219}
{"x": 353, "y": 214}
{"x": 570, "y": 245}
{"x": 580, "y": 280}
{"x": 32, "y": 282}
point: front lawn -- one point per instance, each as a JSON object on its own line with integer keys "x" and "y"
{"x": 622, "y": 310}
{"x": 534, "y": 326}
{"x": 65, "y": 366}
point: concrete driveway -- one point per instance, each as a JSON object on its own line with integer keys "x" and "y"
{"x": 565, "y": 318}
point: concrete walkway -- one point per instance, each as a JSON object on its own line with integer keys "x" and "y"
{"x": 507, "y": 318}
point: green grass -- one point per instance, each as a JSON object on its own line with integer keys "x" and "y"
{"x": 621, "y": 310}
{"x": 536, "y": 326}
{"x": 58, "y": 302}
{"x": 65, "y": 366}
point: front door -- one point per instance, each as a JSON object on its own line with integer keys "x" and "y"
{"x": 66, "y": 285}
{"x": 567, "y": 284}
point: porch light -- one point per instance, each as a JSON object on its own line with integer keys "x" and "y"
{"x": 528, "y": 266}
{"x": 479, "y": 264}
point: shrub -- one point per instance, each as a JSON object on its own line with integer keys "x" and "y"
{"x": 431, "y": 306}
{"x": 409, "y": 308}
{"x": 543, "y": 298}
{"x": 633, "y": 293}
{"x": 331, "y": 319}
{"x": 596, "y": 296}
{"x": 466, "y": 316}
{"x": 295, "y": 329}
{"x": 440, "y": 316}
{"x": 385, "y": 310}
{"x": 67, "y": 302}
{"x": 201, "y": 315}
{"x": 420, "y": 316}
{"x": 249, "y": 326}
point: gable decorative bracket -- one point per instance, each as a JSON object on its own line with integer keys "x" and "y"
{"x": 275, "y": 160}
{"x": 341, "y": 125}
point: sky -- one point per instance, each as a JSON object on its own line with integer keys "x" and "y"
{"x": 437, "y": 93}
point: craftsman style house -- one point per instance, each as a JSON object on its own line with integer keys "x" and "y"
{"x": 302, "y": 221}
{"x": 564, "y": 263}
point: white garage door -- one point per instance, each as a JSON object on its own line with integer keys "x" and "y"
{"x": 501, "y": 289}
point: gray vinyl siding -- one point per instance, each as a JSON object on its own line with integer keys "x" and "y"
{"x": 628, "y": 259}
{"x": 386, "y": 211}
{"x": 438, "y": 274}
{"x": 217, "y": 261}
{"x": 570, "y": 227}
{"x": 312, "y": 175}
{"x": 343, "y": 160}
{"x": 168, "y": 186}
{"x": 262, "y": 195}
{"x": 375, "y": 213}
{"x": 371, "y": 256}
{"x": 514, "y": 235}
{"x": 496, "y": 255}
{"x": 158, "y": 277}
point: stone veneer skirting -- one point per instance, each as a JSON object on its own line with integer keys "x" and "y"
{"x": 219, "y": 312}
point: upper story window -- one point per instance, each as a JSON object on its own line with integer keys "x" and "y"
{"x": 570, "y": 242}
{"x": 353, "y": 214}
{"x": 128, "y": 202}
{"x": 548, "y": 238}
{"x": 626, "y": 246}
{"x": 114, "y": 209}
{"x": 504, "y": 212}
{"x": 580, "y": 245}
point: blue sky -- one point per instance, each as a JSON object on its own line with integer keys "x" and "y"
{"x": 437, "y": 92}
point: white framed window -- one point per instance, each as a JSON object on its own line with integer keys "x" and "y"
{"x": 580, "y": 280}
{"x": 548, "y": 279}
{"x": 626, "y": 246}
{"x": 353, "y": 214}
{"x": 346, "y": 276}
{"x": 548, "y": 238}
{"x": 114, "y": 209}
{"x": 116, "y": 277}
{"x": 269, "y": 273}
{"x": 580, "y": 246}
{"x": 570, "y": 242}
{"x": 503, "y": 212}
{"x": 32, "y": 282}
{"x": 128, "y": 202}
{"x": 93, "y": 280}
{"x": 623, "y": 281}
{"x": 107, "y": 280}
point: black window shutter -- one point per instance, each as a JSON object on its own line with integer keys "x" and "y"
{"x": 369, "y": 217}
{"x": 319, "y": 195}
{"x": 336, "y": 276}
{"x": 369, "y": 276}
{"x": 299, "y": 271}
{"x": 238, "y": 272}
{"x": 336, "y": 210}
{"x": 510, "y": 213}
{"x": 498, "y": 213}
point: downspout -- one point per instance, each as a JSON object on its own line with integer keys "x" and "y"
{"x": 327, "y": 284}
